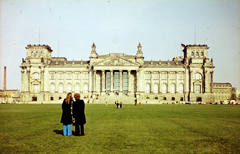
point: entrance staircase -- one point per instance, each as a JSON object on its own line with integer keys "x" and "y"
{"x": 112, "y": 99}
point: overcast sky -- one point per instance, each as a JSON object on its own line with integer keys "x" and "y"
{"x": 70, "y": 27}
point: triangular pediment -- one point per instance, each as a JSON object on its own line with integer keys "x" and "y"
{"x": 116, "y": 61}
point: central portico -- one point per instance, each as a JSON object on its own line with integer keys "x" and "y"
{"x": 115, "y": 74}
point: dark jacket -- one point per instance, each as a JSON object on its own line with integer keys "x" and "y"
{"x": 66, "y": 113}
{"x": 78, "y": 112}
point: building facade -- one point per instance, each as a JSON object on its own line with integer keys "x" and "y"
{"x": 47, "y": 78}
{"x": 223, "y": 92}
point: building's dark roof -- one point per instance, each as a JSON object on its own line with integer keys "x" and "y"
{"x": 68, "y": 62}
{"x": 163, "y": 62}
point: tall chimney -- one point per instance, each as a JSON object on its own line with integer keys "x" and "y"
{"x": 5, "y": 76}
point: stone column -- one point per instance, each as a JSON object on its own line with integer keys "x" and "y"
{"x": 168, "y": 82}
{"x": 186, "y": 81}
{"x": 129, "y": 83}
{"x": 81, "y": 82}
{"x": 64, "y": 82}
{"x": 90, "y": 83}
{"x": 121, "y": 83}
{"x": 207, "y": 82}
{"x": 103, "y": 82}
{"x": 212, "y": 82}
{"x": 176, "y": 81}
{"x": 42, "y": 81}
{"x": 191, "y": 81}
{"x": 151, "y": 82}
{"x": 28, "y": 84}
{"x": 22, "y": 80}
{"x": 160, "y": 84}
{"x": 111, "y": 91}
{"x": 95, "y": 81}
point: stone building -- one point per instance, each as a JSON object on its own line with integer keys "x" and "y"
{"x": 7, "y": 95}
{"x": 117, "y": 76}
{"x": 223, "y": 91}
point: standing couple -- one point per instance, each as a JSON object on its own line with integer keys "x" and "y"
{"x": 76, "y": 110}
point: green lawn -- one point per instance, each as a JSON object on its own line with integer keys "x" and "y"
{"x": 148, "y": 128}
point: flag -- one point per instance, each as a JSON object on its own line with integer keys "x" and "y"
{"x": 183, "y": 45}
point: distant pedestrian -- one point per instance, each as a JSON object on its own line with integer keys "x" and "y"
{"x": 232, "y": 103}
{"x": 117, "y": 104}
{"x": 120, "y": 104}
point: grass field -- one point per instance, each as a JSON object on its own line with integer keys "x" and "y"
{"x": 131, "y": 129}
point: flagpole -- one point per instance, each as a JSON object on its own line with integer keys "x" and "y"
{"x": 195, "y": 36}
{"x": 39, "y": 35}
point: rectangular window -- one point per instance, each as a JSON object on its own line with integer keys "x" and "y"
{"x": 180, "y": 76}
{"x": 172, "y": 76}
{"x": 60, "y": 76}
{"x": 155, "y": 76}
{"x": 147, "y": 76}
{"x": 164, "y": 76}
{"x": 197, "y": 88}
{"x": 35, "y": 88}
{"x": 52, "y": 76}
{"x": 85, "y": 76}
{"x": 69, "y": 76}
{"x": 77, "y": 76}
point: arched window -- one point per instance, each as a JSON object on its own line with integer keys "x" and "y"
{"x": 69, "y": 87}
{"x": 197, "y": 54}
{"x": 41, "y": 53}
{"x": 35, "y": 75}
{"x": 164, "y": 88}
{"x": 52, "y": 87}
{"x": 202, "y": 54}
{"x": 85, "y": 88}
{"x": 155, "y": 87}
{"x": 36, "y": 53}
{"x": 77, "y": 88}
{"x": 181, "y": 99}
{"x": 198, "y": 76}
{"x": 32, "y": 54}
{"x": 192, "y": 54}
{"x": 164, "y": 98}
{"x": 147, "y": 88}
{"x": 180, "y": 88}
{"x": 60, "y": 88}
{"x": 172, "y": 88}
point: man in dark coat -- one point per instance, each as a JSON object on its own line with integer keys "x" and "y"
{"x": 79, "y": 115}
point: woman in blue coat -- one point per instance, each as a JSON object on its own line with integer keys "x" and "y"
{"x": 79, "y": 115}
{"x": 66, "y": 115}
